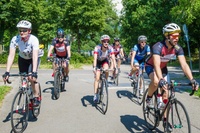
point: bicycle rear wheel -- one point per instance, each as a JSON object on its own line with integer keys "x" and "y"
{"x": 150, "y": 114}
{"x": 19, "y": 112}
{"x": 57, "y": 85}
{"x": 178, "y": 117}
{"x": 36, "y": 109}
{"x": 104, "y": 96}
{"x": 140, "y": 91}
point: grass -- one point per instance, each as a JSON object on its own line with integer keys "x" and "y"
{"x": 197, "y": 93}
{"x": 3, "y": 91}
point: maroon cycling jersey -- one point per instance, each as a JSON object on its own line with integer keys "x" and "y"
{"x": 160, "y": 48}
{"x": 60, "y": 48}
{"x": 116, "y": 49}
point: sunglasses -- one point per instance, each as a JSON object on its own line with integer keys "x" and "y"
{"x": 23, "y": 30}
{"x": 104, "y": 41}
{"x": 142, "y": 42}
{"x": 175, "y": 36}
{"x": 61, "y": 36}
{"x": 116, "y": 40}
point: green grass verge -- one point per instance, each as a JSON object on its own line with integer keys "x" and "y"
{"x": 3, "y": 91}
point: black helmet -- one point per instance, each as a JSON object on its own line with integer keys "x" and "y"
{"x": 60, "y": 33}
{"x": 116, "y": 39}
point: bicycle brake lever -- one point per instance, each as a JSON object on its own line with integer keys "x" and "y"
{"x": 192, "y": 92}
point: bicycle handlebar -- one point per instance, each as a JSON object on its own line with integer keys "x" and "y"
{"x": 182, "y": 84}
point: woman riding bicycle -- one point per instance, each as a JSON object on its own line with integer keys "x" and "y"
{"x": 101, "y": 55}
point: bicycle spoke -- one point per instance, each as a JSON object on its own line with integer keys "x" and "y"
{"x": 178, "y": 117}
{"x": 19, "y": 112}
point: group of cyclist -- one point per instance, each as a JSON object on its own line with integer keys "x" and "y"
{"x": 155, "y": 64}
{"x": 155, "y": 61}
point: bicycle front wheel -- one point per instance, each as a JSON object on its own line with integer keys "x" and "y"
{"x": 19, "y": 112}
{"x": 150, "y": 114}
{"x": 178, "y": 117}
{"x": 36, "y": 109}
{"x": 57, "y": 85}
{"x": 104, "y": 96}
{"x": 140, "y": 89}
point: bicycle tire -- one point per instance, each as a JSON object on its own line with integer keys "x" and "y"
{"x": 36, "y": 109}
{"x": 116, "y": 81}
{"x": 57, "y": 82}
{"x": 138, "y": 94}
{"x": 19, "y": 112}
{"x": 178, "y": 117}
{"x": 150, "y": 115}
{"x": 104, "y": 96}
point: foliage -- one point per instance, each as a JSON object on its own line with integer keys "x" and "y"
{"x": 3, "y": 91}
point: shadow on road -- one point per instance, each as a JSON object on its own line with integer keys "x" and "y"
{"x": 124, "y": 93}
{"x": 87, "y": 100}
{"x": 134, "y": 124}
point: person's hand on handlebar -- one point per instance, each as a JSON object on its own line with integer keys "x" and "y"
{"x": 195, "y": 84}
{"x": 162, "y": 84}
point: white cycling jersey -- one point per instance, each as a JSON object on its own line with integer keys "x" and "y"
{"x": 25, "y": 48}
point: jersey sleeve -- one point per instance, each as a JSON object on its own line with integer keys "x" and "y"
{"x": 13, "y": 42}
{"x": 179, "y": 50}
{"x": 148, "y": 48}
{"x": 53, "y": 42}
{"x": 135, "y": 48}
{"x": 157, "y": 48}
{"x": 96, "y": 50}
{"x": 35, "y": 43}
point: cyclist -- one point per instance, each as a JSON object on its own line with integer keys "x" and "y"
{"x": 41, "y": 52}
{"x": 101, "y": 54}
{"x": 61, "y": 47}
{"x": 156, "y": 65}
{"x": 28, "y": 60}
{"x": 138, "y": 54}
{"x": 119, "y": 54}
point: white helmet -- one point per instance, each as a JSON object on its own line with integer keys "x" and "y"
{"x": 142, "y": 38}
{"x": 171, "y": 28}
{"x": 24, "y": 24}
{"x": 105, "y": 37}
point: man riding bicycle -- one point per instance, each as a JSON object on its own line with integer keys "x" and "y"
{"x": 138, "y": 54}
{"x": 156, "y": 65}
{"x": 101, "y": 54}
{"x": 61, "y": 47}
{"x": 28, "y": 59}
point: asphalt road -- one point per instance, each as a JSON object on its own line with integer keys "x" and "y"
{"x": 74, "y": 111}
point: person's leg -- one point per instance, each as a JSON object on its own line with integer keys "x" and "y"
{"x": 135, "y": 68}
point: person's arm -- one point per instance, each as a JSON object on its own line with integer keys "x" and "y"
{"x": 113, "y": 60}
{"x": 50, "y": 50}
{"x": 69, "y": 51}
{"x": 185, "y": 67}
{"x": 10, "y": 59}
{"x": 35, "y": 59}
{"x": 122, "y": 52}
{"x": 95, "y": 61}
{"x": 132, "y": 58}
{"x": 156, "y": 63}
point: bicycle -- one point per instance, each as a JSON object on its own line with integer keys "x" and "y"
{"x": 23, "y": 103}
{"x": 116, "y": 75}
{"x": 176, "y": 112}
{"x": 103, "y": 91}
{"x": 137, "y": 81}
{"x": 59, "y": 83}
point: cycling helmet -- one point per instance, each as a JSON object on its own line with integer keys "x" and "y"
{"x": 142, "y": 38}
{"x": 60, "y": 33}
{"x": 116, "y": 39}
{"x": 24, "y": 24}
{"x": 171, "y": 28}
{"x": 105, "y": 37}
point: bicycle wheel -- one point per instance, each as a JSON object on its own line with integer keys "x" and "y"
{"x": 178, "y": 117}
{"x": 116, "y": 81}
{"x": 104, "y": 96}
{"x": 150, "y": 114}
{"x": 140, "y": 91}
{"x": 19, "y": 112}
{"x": 57, "y": 82}
{"x": 36, "y": 109}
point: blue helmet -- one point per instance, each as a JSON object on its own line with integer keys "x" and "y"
{"x": 60, "y": 33}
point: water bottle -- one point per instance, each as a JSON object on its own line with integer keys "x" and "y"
{"x": 159, "y": 101}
